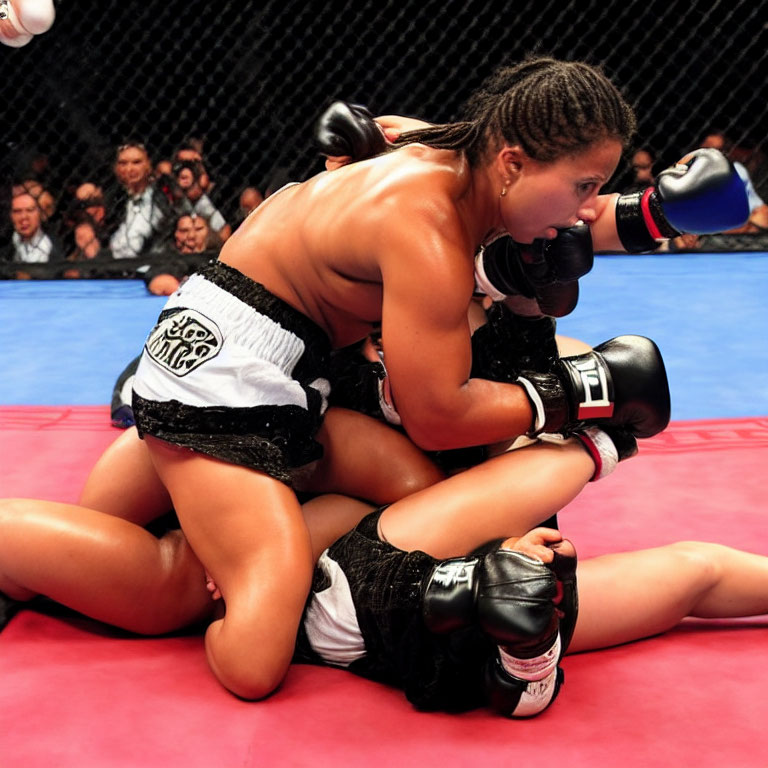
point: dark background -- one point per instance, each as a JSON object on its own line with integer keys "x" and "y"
{"x": 251, "y": 78}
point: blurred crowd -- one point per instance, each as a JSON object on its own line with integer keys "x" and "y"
{"x": 149, "y": 215}
{"x": 164, "y": 218}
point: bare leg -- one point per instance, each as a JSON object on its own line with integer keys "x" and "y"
{"x": 363, "y": 458}
{"x": 104, "y": 567}
{"x": 505, "y": 496}
{"x": 368, "y": 459}
{"x": 631, "y": 595}
{"x": 329, "y": 517}
{"x": 124, "y": 482}
{"x": 249, "y": 533}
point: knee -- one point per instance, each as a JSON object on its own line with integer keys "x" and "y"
{"x": 252, "y": 678}
{"x": 411, "y": 479}
{"x": 701, "y": 560}
{"x": 251, "y": 687}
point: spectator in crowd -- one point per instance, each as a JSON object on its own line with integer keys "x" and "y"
{"x": 643, "y": 161}
{"x": 191, "y": 235}
{"x": 637, "y": 171}
{"x": 90, "y": 199}
{"x": 86, "y": 205}
{"x": 279, "y": 178}
{"x": 163, "y": 168}
{"x": 87, "y": 243}
{"x": 85, "y": 246}
{"x": 193, "y": 186}
{"x": 30, "y": 243}
{"x": 146, "y": 214}
{"x": 250, "y": 199}
{"x": 191, "y": 151}
{"x": 758, "y": 218}
{"x": 46, "y": 202}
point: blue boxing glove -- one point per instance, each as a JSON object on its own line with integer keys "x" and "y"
{"x": 701, "y": 196}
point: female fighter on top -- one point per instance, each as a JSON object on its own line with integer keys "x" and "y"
{"x": 232, "y": 384}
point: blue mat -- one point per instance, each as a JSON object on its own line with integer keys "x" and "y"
{"x": 707, "y": 312}
{"x": 65, "y": 342}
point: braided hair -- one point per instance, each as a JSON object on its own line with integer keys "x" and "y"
{"x": 550, "y": 108}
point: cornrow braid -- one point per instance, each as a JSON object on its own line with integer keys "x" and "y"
{"x": 458, "y": 136}
{"x": 550, "y": 108}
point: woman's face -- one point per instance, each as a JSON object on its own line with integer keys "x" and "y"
{"x": 191, "y": 234}
{"x": 546, "y": 197}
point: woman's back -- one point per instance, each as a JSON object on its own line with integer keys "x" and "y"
{"x": 321, "y": 245}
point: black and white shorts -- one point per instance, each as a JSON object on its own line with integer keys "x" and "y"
{"x": 232, "y": 371}
{"x": 364, "y": 614}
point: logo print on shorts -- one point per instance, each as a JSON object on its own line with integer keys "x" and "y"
{"x": 183, "y": 341}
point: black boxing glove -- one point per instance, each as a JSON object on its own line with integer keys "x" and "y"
{"x": 121, "y": 412}
{"x": 449, "y": 594}
{"x": 564, "y": 568}
{"x": 348, "y": 130}
{"x": 508, "y": 343}
{"x": 511, "y": 597}
{"x": 546, "y": 270}
{"x": 566, "y": 258}
{"x": 507, "y": 593}
{"x": 622, "y": 382}
{"x": 515, "y": 603}
{"x": 702, "y": 196}
{"x": 355, "y": 381}
{"x": 523, "y": 680}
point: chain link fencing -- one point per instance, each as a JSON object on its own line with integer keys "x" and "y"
{"x": 247, "y": 80}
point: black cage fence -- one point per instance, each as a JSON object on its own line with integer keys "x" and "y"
{"x": 248, "y": 79}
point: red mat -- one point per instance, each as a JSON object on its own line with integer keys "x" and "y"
{"x": 73, "y": 693}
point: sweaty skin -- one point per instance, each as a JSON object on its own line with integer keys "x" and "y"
{"x": 413, "y": 219}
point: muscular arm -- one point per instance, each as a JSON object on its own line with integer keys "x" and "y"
{"x": 427, "y": 338}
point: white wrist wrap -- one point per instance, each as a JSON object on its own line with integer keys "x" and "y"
{"x": 601, "y": 449}
{"x": 388, "y": 409}
{"x": 386, "y": 401}
{"x": 482, "y": 283}
{"x": 538, "y": 405}
{"x": 536, "y": 668}
{"x": 541, "y": 676}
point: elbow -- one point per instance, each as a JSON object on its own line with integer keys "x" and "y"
{"x": 432, "y": 434}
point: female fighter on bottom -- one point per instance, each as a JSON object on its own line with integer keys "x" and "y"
{"x": 487, "y": 628}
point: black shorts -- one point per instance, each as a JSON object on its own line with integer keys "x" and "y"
{"x": 436, "y": 672}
